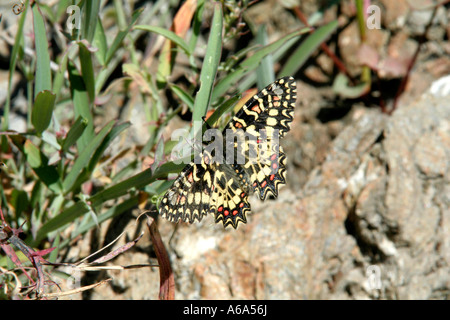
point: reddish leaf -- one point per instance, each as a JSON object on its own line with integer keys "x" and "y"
{"x": 368, "y": 56}
{"x": 167, "y": 282}
{"x": 182, "y": 20}
{"x": 180, "y": 25}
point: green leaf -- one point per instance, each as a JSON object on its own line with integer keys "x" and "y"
{"x": 18, "y": 44}
{"x": 137, "y": 181}
{"x": 19, "y": 201}
{"x": 87, "y": 69}
{"x": 82, "y": 106}
{"x": 33, "y": 155}
{"x": 167, "y": 34}
{"x": 83, "y": 159}
{"x": 74, "y": 133}
{"x": 264, "y": 72}
{"x": 115, "y": 131}
{"x": 100, "y": 43}
{"x": 89, "y": 21}
{"x": 304, "y": 51}
{"x": 39, "y": 163}
{"x": 109, "y": 214}
{"x": 197, "y": 22}
{"x": 183, "y": 95}
{"x": 120, "y": 36}
{"x": 210, "y": 65}
{"x": 222, "y": 109}
{"x": 65, "y": 217}
{"x": 342, "y": 87}
{"x": 43, "y": 80}
{"x": 251, "y": 64}
{"x": 61, "y": 8}
{"x": 43, "y": 110}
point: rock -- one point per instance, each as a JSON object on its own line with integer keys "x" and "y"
{"x": 379, "y": 202}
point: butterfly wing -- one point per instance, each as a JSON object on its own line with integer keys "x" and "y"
{"x": 267, "y": 117}
{"x": 188, "y": 198}
{"x": 229, "y": 200}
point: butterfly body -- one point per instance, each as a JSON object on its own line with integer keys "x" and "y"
{"x": 253, "y": 162}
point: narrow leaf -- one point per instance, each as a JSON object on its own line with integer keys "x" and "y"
{"x": 89, "y": 21}
{"x": 183, "y": 95}
{"x": 251, "y": 64}
{"x": 74, "y": 133}
{"x": 43, "y": 80}
{"x": 137, "y": 181}
{"x": 120, "y": 36}
{"x": 67, "y": 216}
{"x": 100, "y": 43}
{"x": 167, "y": 34}
{"x": 307, "y": 48}
{"x": 87, "y": 69}
{"x": 84, "y": 157}
{"x": 264, "y": 72}
{"x": 115, "y": 131}
{"x": 82, "y": 106}
{"x": 210, "y": 65}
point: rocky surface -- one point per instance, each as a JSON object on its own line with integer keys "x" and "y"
{"x": 371, "y": 222}
{"x": 377, "y": 206}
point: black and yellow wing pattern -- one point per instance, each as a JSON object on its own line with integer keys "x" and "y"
{"x": 222, "y": 188}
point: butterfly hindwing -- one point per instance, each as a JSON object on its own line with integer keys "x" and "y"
{"x": 229, "y": 202}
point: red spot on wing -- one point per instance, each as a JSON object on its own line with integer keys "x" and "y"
{"x": 256, "y": 109}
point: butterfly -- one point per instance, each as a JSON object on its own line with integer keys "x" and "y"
{"x": 222, "y": 188}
